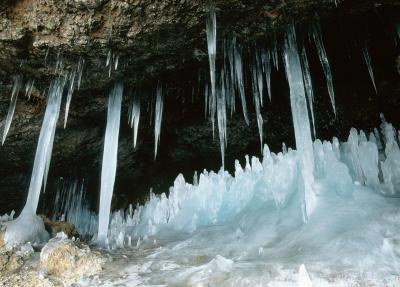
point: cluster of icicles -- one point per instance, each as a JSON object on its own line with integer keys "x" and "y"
{"x": 216, "y": 198}
{"x": 220, "y": 96}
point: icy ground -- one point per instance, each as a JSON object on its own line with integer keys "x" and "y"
{"x": 249, "y": 229}
{"x": 349, "y": 241}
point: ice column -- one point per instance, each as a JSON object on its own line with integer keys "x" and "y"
{"x": 301, "y": 121}
{"x": 45, "y": 145}
{"x": 109, "y": 164}
{"x": 13, "y": 103}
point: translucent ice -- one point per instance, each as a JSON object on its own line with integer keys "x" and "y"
{"x": 109, "y": 164}
{"x": 13, "y": 103}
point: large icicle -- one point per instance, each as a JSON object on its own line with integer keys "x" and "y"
{"x": 109, "y": 164}
{"x": 211, "y": 29}
{"x": 319, "y": 43}
{"x": 13, "y": 103}
{"x": 308, "y": 85}
{"x": 301, "y": 121}
{"x": 158, "y": 118}
{"x": 368, "y": 62}
{"x": 134, "y": 116}
{"x": 240, "y": 79}
{"x": 45, "y": 145}
{"x": 221, "y": 116}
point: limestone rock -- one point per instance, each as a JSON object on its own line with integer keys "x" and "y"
{"x": 71, "y": 260}
{"x": 60, "y": 226}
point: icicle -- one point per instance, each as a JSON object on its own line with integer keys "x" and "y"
{"x": 29, "y": 88}
{"x": 206, "y": 96}
{"x": 319, "y": 43}
{"x": 158, "y": 117}
{"x": 116, "y": 61}
{"x": 134, "y": 116}
{"x": 211, "y": 29}
{"x": 266, "y": 62}
{"x": 109, "y": 164}
{"x": 368, "y": 62}
{"x": 44, "y": 147}
{"x": 108, "y": 60}
{"x": 69, "y": 95}
{"x": 274, "y": 52}
{"x": 229, "y": 51}
{"x": 308, "y": 85}
{"x": 260, "y": 80}
{"x": 221, "y": 116}
{"x": 256, "y": 99}
{"x": 79, "y": 71}
{"x": 239, "y": 78}
{"x": 13, "y": 103}
{"x": 301, "y": 121}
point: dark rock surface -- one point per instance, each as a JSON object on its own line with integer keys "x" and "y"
{"x": 165, "y": 40}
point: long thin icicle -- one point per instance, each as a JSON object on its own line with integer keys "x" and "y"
{"x": 13, "y": 103}
{"x": 45, "y": 144}
{"x": 308, "y": 85}
{"x": 134, "y": 116}
{"x": 301, "y": 121}
{"x": 69, "y": 95}
{"x": 211, "y": 29}
{"x": 266, "y": 62}
{"x": 240, "y": 79}
{"x": 319, "y": 43}
{"x": 109, "y": 164}
{"x": 221, "y": 116}
{"x": 368, "y": 62}
{"x": 158, "y": 118}
{"x": 257, "y": 101}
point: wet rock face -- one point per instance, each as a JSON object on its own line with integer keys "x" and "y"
{"x": 165, "y": 40}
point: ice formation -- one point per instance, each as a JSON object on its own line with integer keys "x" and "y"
{"x": 301, "y": 122}
{"x": 368, "y": 62}
{"x": 45, "y": 146}
{"x": 74, "y": 78}
{"x": 221, "y": 116}
{"x": 13, "y": 103}
{"x": 158, "y": 113}
{"x": 109, "y": 164}
{"x": 29, "y": 88}
{"x": 211, "y": 29}
{"x": 71, "y": 205}
{"x": 308, "y": 85}
{"x": 319, "y": 43}
{"x": 134, "y": 116}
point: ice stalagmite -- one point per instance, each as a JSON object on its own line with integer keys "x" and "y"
{"x": 45, "y": 145}
{"x": 221, "y": 116}
{"x": 240, "y": 78}
{"x": 211, "y": 29}
{"x": 368, "y": 62}
{"x": 301, "y": 121}
{"x": 319, "y": 43}
{"x": 134, "y": 116}
{"x": 158, "y": 118}
{"x": 13, "y": 103}
{"x": 109, "y": 164}
{"x": 308, "y": 85}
